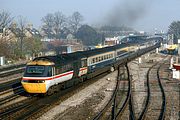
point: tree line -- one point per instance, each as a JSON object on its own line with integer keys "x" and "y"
{"x": 57, "y": 25}
{"x": 54, "y": 26}
{"x": 14, "y": 44}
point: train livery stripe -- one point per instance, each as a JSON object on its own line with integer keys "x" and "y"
{"x": 64, "y": 74}
{"x": 51, "y": 78}
{"x": 81, "y": 69}
{"x": 48, "y": 78}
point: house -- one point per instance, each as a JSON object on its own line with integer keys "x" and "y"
{"x": 111, "y": 41}
{"x": 8, "y": 34}
{"x": 32, "y": 32}
{"x": 13, "y": 34}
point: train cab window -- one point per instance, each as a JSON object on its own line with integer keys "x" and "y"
{"x": 49, "y": 74}
{"x": 35, "y": 69}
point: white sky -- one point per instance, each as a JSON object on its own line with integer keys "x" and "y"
{"x": 150, "y": 14}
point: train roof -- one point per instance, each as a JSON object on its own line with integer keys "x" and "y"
{"x": 66, "y": 58}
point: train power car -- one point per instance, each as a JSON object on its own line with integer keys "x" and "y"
{"x": 48, "y": 74}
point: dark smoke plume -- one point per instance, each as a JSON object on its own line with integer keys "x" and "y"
{"x": 127, "y": 13}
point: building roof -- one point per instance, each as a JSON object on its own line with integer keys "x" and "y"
{"x": 34, "y": 32}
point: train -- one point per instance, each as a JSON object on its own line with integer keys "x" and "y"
{"x": 48, "y": 74}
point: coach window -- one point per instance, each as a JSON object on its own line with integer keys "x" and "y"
{"x": 91, "y": 61}
{"x": 102, "y": 58}
{"x": 99, "y": 58}
{"x": 106, "y": 57}
{"x": 94, "y": 60}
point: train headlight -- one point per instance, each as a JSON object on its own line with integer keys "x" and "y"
{"x": 41, "y": 81}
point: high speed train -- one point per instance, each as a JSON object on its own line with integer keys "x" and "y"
{"x": 48, "y": 74}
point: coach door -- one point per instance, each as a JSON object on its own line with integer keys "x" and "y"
{"x": 83, "y": 67}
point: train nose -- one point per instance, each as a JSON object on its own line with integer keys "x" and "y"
{"x": 34, "y": 87}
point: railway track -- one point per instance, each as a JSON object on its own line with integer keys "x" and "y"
{"x": 126, "y": 110}
{"x": 8, "y": 111}
{"x": 120, "y": 107}
{"x": 33, "y": 107}
{"x": 12, "y": 72}
{"x": 10, "y": 76}
{"x": 13, "y": 66}
{"x": 10, "y": 84}
{"x": 116, "y": 107}
{"x": 155, "y": 105}
{"x": 10, "y": 95}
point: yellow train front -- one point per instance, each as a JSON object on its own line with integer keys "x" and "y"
{"x": 37, "y": 75}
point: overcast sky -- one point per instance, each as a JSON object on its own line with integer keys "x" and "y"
{"x": 140, "y": 14}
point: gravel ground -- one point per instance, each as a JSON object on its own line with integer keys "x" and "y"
{"x": 139, "y": 71}
{"x": 170, "y": 86}
{"x": 85, "y": 104}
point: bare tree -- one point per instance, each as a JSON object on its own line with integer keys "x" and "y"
{"x": 5, "y": 42}
{"x": 22, "y": 25}
{"x": 5, "y": 22}
{"x": 59, "y": 23}
{"x": 48, "y": 23}
{"x": 75, "y": 21}
{"x": 5, "y": 19}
